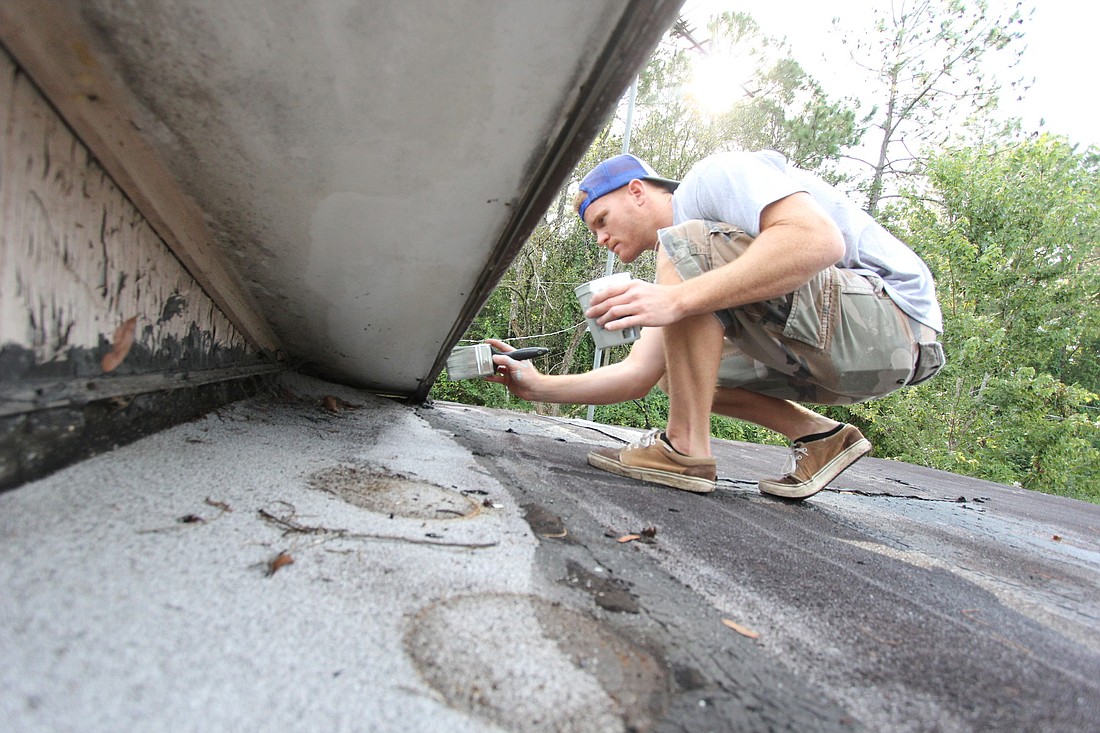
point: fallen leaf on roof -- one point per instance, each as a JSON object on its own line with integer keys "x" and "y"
{"x": 120, "y": 345}
{"x": 1057, "y": 538}
{"x": 332, "y": 403}
{"x": 190, "y": 519}
{"x": 629, "y": 538}
{"x": 649, "y": 532}
{"x": 743, "y": 630}
{"x": 219, "y": 504}
{"x": 280, "y": 560}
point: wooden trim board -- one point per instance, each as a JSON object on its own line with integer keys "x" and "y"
{"x": 45, "y": 42}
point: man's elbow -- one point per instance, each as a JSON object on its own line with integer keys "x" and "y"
{"x": 830, "y": 243}
{"x": 802, "y": 220}
{"x": 835, "y": 249}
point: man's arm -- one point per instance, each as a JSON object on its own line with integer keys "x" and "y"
{"x": 797, "y": 240}
{"x": 632, "y": 378}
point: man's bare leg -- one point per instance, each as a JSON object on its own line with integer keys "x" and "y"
{"x": 693, "y": 350}
{"x": 782, "y": 416}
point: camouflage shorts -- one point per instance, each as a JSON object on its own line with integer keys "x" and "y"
{"x": 836, "y": 340}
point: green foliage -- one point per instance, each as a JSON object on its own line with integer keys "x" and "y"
{"x": 647, "y": 413}
{"x": 789, "y": 112}
{"x": 1010, "y": 232}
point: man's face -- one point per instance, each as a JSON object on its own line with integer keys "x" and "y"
{"x": 619, "y": 223}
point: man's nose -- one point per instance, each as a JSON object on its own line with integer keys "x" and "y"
{"x": 603, "y": 238}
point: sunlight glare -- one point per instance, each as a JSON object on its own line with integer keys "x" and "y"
{"x": 717, "y": 83}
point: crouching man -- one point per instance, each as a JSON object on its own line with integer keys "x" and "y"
{"x": 772, "y": 290}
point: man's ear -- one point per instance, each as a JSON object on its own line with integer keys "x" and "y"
{"x": 637, "y": 191}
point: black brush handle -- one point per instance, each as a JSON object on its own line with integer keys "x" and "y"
{"x": 531, "y": 352}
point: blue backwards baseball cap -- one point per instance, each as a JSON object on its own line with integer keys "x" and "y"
{"x": 614, "y": 173}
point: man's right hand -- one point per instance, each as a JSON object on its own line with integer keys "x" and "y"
{"x": 518, "y": 376}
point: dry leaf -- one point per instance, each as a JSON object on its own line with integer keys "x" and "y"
{"x": 649, "y": 532}
{"x": 123, "y": 340}
{"x": 743, "y": 630}
{"x": 280, "y": 560}
{"x": 219, "y": 504}
{"x": 1057, "y": 538}
{"x": 190, "y": 519}
{"x": 332, "y": 404}
{"x": 629, "y": 538}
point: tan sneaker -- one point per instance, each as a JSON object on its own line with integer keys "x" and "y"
{"x": 815, "y": 463}
{"x": 652, "y": 459}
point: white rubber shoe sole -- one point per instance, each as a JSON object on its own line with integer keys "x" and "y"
{"x": 693, "y": 484}
{"x": 821, "y": 479}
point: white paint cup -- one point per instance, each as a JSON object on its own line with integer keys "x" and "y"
{"x": 605, "y": 339}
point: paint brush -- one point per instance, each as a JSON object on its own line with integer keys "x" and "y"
{"x": 470, "y": 362}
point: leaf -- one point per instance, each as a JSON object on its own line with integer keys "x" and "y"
{"x": 332, "y": 404}
{"x": 743, "y": 630}
{"x": 650, "y": 532}
{"x": 283, "y": 558}
{"x": 629, "y": 538}
{"x": 123, "y": 340}
{"x": 219, "y": 504}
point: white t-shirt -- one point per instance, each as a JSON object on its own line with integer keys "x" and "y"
{"x": 735, "y": 187}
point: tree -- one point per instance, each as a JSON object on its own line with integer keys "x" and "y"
{"x": 1010, "y": 231}
{"x": 928, "y": 60}
{"x": 778, "y": 106}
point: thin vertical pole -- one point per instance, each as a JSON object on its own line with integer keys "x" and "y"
{"x": 597, "y": 358}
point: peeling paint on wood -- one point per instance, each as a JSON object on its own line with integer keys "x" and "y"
{"x": 46, "y": 41}
{"x": 78, "y": 261}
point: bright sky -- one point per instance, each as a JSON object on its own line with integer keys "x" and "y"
{"x": 1061, "y": 54}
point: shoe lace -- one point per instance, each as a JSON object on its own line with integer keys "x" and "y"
{"x": 646, "y": 440}
{"x": 798, "y": 452}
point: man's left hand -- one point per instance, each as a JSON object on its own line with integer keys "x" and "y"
{"x": 637, "y": 303}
